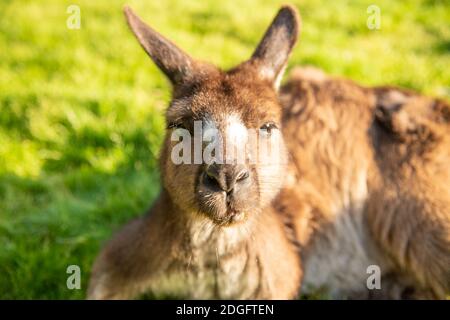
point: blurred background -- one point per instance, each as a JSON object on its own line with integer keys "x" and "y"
{"x": 81, "y": 110}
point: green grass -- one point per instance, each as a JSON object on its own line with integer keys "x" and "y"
{"x": 81, "y": 110}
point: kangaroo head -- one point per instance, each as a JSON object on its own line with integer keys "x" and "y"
{"x": 223, "y": 155}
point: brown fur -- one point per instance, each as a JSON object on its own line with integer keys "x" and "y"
{"x": 398, "y": 141}
{"x": 409, "y": 211}
{"x": 366, "y": 183}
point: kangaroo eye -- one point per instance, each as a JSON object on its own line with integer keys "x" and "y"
{"x": 268, "y": 127}
{"x": 176, "y": 125}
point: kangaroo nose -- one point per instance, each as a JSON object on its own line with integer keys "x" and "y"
{"x": 226, "y": 176}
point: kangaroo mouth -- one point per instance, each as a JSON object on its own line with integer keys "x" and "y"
{"x": 232, "y": 217}
{"x": 224, "y": 206}
{"x": 220, "y": 208}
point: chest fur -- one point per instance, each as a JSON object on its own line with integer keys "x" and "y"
{"x": 217, "y": 264}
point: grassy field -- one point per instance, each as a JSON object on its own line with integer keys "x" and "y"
{"x": 81, "y": 110}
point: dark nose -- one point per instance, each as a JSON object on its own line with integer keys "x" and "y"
{"x": 226, "y": 176}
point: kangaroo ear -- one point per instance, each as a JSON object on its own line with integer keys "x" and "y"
{"x": 272, "y": 53}
{"x": 176, "y": 64}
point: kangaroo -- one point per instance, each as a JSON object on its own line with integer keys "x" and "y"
{"x": 212, "y": 233}
{"x": 370, "y": 188}
{"x": 360, "y": 180}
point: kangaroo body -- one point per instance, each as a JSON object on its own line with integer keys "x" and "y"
{"x": 361, "y": 193}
